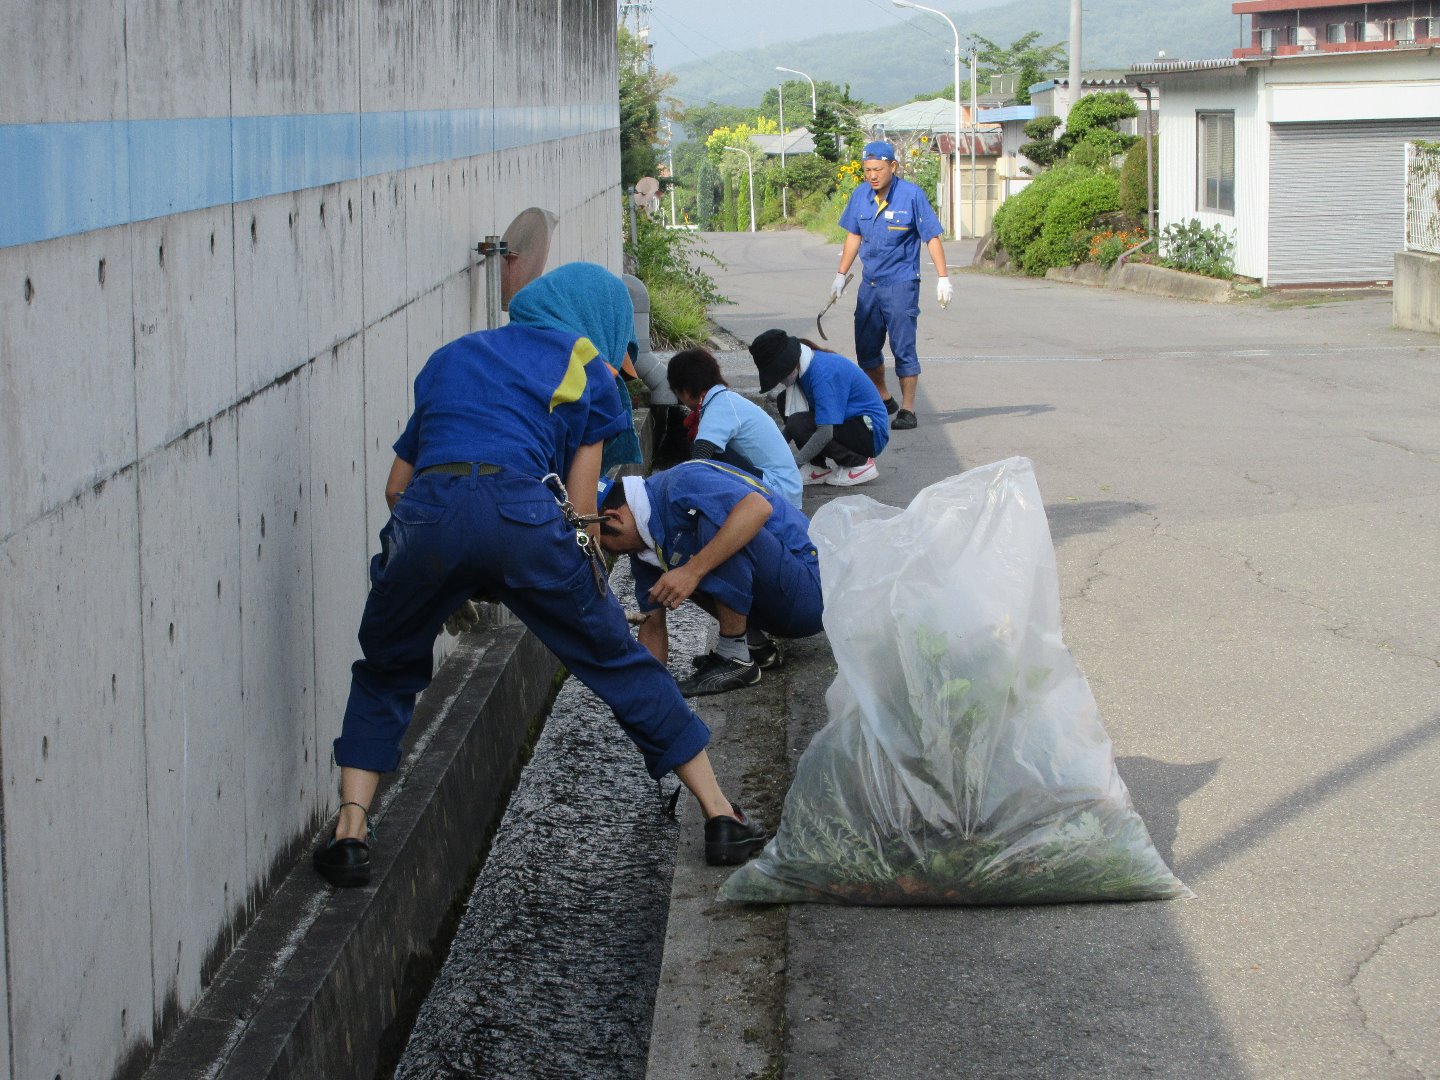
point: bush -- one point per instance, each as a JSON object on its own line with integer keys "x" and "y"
{"x": 824, "y": 218}
{"x": 1191, "y": 246}
{"x": 1064, "y": 233}
{"x": 1108, "y": 245}
{"x": 1020, "y": 218}
{"x": 677, "y": 317}
{"x": 1133, "y": 194}
{"x": 669, "y": 256}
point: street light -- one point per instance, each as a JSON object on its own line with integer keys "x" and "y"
{"x": 814, "y": 111}
{"x": 784, "y": 187}
{"x": 750, "y": 165}
{"x": 955, "y": 164}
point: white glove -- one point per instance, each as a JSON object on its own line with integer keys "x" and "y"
{"x": 837, "y": 286}
{"x": 944, "y": 291}
{"x": 465, "y": 617}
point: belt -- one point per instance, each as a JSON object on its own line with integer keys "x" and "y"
{"x": 461, "y": 468}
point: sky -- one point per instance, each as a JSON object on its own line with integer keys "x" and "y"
{"x": 686, "y": 30}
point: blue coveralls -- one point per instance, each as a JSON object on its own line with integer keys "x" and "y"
{"x": 522, "y": 401}
{"x": 774, "y": 580}
{"x": 891, "y": 234}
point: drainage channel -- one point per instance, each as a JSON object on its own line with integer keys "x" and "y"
{"x": 555, "y": 963}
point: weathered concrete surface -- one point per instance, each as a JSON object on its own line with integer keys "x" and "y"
{"x": 1417, "y": 291}
{"x": 1243, "y": 500}
{"x": 197, "y": 404}
{"x": 317, "y": 984}
{"x": 1148, "y": 279}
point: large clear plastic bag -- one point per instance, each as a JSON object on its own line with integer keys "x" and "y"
{"x": 964, "y": 761}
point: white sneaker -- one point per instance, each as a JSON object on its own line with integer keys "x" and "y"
{"x": 813, "y": 475}
{"x": 860, "y": 474}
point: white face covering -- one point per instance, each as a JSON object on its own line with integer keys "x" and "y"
{"x": 795, "y": 400}
{"x": 638, "y": 499}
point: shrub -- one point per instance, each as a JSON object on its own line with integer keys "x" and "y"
{"x": 677, "y": 316}
{"x": 1189, "y": 245}
{"x": 1133, "y": 194}
{"x": 1020, "y": 218}
{"x": 824, "y": 217}
{"x": 669, "y": 256}
{"x": 1064, "y": 233}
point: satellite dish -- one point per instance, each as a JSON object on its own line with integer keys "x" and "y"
{"x": 527, "y": 239}
{"x": 647, "y": 186}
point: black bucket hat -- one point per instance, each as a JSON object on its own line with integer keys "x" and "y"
{"x": 776, "y": 354}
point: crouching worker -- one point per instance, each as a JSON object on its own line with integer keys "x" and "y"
{"x": 708, "y": 532}
{"x": 495, "y": 412}
{"x": 832, "y": 411}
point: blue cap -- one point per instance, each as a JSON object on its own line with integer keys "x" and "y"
{"x": 879, "y": 150}
{"x": 603, "y": 489}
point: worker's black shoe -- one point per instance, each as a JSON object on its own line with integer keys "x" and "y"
{"x": 343, "y": 863}
{"x": 891, "y": 405}
{"x": 904, "y": 420}
{"x": 719, "y": 674}
{"x": 767, "y": 655}
{"x": 729, "y": 841}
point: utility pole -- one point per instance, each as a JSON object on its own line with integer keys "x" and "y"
{"x": 784, "y": 187}
{"x": 974, "y": 130}
{"x": 1074, "y": 56}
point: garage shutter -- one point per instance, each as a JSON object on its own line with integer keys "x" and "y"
{"x": 1337, "y": 199}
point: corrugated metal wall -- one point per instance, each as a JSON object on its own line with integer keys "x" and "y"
{"x": 1337, "y": 199}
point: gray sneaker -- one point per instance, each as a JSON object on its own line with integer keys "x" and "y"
{"x": 719, "y": 674}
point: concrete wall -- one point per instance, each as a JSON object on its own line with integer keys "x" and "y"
{"x": 230, "y": 235}
{"x": 1416, "y": 299}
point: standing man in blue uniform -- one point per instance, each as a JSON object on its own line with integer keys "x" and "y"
{"x": 887, "y": 219}
{"x": 495, "y": 412}
{"x": 711, "y": 532}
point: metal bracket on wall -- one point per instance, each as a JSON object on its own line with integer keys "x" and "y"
{"x": 488, "y": 249}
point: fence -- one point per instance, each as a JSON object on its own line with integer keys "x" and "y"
{"x": 1422, "y": 197}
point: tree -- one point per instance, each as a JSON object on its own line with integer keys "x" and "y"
{"x": 1042, "y": 149}
{"x": 641, "y": 91}
{"x": 1022, "y": 57}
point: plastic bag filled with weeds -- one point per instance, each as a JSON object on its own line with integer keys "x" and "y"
{"x": 964, "y": 761}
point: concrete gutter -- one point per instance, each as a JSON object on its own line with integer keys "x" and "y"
{"x": 326, "y": 978}
{"x": 1148, "y": 279}
{"x": 326, "y": 981}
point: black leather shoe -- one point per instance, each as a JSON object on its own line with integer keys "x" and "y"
{"x": 729, "y": 841}
{"x": 719, "y": 674}
{"x": 344, "y": 863}
{"x": 904, "y": 421}
{"x": 767, "y": 656}
{"x": 891, "y": 405}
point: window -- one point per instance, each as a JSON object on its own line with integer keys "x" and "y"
{"x": 1335, "y": 33}
{"x": 1215, "y": 161}
{"x": 1372, "y": 31}
{"x": 1269, "y": 38}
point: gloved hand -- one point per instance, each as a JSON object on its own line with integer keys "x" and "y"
{"x": 944, "y": 291}
{"x": 837, "y": 286}
{"x": 465, "y": 617}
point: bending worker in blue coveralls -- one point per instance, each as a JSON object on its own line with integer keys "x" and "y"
{"x": 495, "y": 412}
{"x": 712, "y": 533}
{"x": 887, "y": 219}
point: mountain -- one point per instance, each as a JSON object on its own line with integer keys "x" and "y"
{"x": 890, "y": 66}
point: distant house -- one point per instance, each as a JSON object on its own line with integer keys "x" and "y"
{"x": 791, "y": 143}
{"x": 1013, "y": 170}
{"x": 1299, "y": 155}
{"x": 1287, "y": 27}
{"x": 1053, "y": 98}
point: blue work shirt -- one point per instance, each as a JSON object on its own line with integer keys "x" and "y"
{"x": 838, "y": 390}
{"x": 690, "y": 502}
{"x": 891, "y": 230}
{"x": 518, "y": 396}
{"x": 731, "y": 421}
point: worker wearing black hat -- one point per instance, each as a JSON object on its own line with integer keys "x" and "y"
{"x": 831, "y": 411}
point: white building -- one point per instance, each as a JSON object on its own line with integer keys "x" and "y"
{"x": 1301, "y": 157}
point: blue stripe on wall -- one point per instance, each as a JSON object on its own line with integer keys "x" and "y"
{"x": 61, "y": 179}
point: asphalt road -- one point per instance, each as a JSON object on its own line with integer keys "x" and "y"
{"x": 1245, "y": 501}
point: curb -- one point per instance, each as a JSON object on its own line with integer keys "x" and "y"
{"x": 1147, "y": 279}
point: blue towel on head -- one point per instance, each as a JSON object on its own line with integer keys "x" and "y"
{"x": 587, "y": 299}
